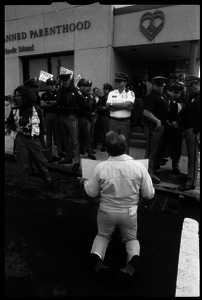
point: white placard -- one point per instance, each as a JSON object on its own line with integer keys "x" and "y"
{"x": 77, "y": 79}
{"x": 88, "y": 166}
{"x": 66, "y": 71}
{"x": 43, "y": 76}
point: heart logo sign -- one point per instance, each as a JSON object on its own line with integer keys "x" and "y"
{"x": 152, "y": 29}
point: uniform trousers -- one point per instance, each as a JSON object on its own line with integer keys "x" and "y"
{"x": 154, "y": 142}
{"x": 121, "y": 127}
{"x": 28, "y": 149}
{"x": 192, "y": 145}
{"x": 107, "y": 222}
{"x": 84, "y": 134}
{"x": 101, "y": 128}
{"x": 69, "y": 128}
{"x": 52, "y": 129}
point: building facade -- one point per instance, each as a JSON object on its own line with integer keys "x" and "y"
{"x": 95, "y": 41}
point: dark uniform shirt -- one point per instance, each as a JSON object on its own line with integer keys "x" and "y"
{"x": 156, "y": 104}
{"x": 67, "y": 101}
{"x": 48, "y": 96}
{"x": 86, "y": 104}
{"x": 189, "y": 116}
{"x": 100, "y": 111}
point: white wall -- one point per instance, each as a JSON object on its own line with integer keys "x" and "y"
{"x": 181, "y": 24}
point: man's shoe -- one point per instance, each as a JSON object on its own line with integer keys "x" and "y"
{"x": 76, "y": 167}
{"x": 61, "y": 154}
{"x": 101, "y": 270}
{"x": 65, "y": 161}
{"x": 155, "y": 179}
{"x": 82, "y": 151}
{"x": 186, "y": 187}
{"x": 176, "y": 171}
{"x": 91, "y": 156}
{"x": 125, "y": 274}
{"x": 55, "y": 159}
{"x": 93, "y": 152}
{"x": 103, "y": 149}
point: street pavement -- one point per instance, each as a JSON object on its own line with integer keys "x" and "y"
{"x": 163, "y": 230}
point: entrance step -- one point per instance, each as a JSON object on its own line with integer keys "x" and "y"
{"x": 137, "y": 138}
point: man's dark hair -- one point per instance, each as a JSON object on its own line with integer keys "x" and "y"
{"x": 115, "y": 143}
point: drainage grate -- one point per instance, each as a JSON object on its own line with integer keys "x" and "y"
{"x": 162, "y": 203}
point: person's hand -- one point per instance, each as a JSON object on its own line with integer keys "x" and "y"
{"x": 82, "y": 180}
{"x": 158, "y": 124}
{"x": 170, "y": 125}
{"x": 18, "y": 129}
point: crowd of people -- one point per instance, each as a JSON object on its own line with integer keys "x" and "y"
{"x": 77, "y": 120}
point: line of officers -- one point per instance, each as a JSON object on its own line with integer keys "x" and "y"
{"x": 78, "y": 122}
{"x": 70, "y": 114}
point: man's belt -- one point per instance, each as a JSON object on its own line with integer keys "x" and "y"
{"x": 120, "y": 119}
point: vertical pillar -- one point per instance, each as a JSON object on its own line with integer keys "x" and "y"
{"x": 193, "y": 57}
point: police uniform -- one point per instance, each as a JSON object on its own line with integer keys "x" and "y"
{"x": 68, "y": 108}
{"x": 189, "y": 120}
{"x": 120, "y": 119}
{"x": 51, "y": 121}
{"x": 102, "y": 122}
{"x": 155, "y": 104}
{"x": 172, "y": 135}
{"x": 85, "y": 114}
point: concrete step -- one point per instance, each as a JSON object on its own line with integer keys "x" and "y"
{"x": 138, "y": 143}
{"x": 137, "y": 136}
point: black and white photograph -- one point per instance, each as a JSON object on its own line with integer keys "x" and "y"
{"x": 102, "y": 150}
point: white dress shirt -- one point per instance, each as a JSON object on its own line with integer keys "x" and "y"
{"x": 116, "y": 97}
{"x": 119, "y": 181}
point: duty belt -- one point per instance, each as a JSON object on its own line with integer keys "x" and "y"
{"x": 120, "y": 119}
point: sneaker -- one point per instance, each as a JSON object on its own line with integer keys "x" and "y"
{"x": 155, "y": 179}
{"x": 65, "y": 161}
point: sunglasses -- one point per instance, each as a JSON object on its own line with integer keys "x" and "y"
{"x": 118, "y": 80}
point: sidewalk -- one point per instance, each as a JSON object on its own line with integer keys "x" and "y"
{"x": 188, "y": 276}
{"x": 169, "y": 182}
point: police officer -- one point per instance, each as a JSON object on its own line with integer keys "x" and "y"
{"x": 102, "y": 122}
{"x": 189, "y": 120}
{"x": 120, "y": 103}
{"x": 33, "y": 83}
{"x": 93, "y": 105}
{"x": 68, "y": 109}
{"x": 155, "y": 113}
{"x": 86, "y": 107}
{"x": 49, "y": 106}
{"x": 172, "y": 135}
